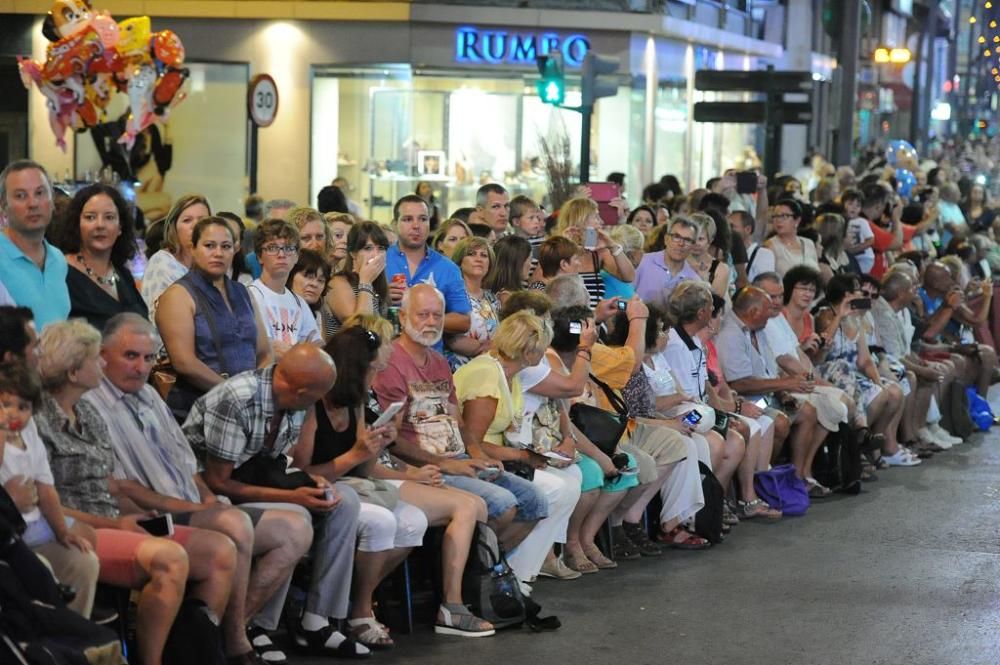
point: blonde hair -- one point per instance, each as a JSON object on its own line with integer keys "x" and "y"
{"x": 342, "y": 217}
{"x": 372, "y": 322}
{"x": 575, "y": 213}
{"x": 63, "y": 348}
{"x": 953, "y": 264}
{"x": 465, "y": 247}
{"x": 171, "y": 242}
{"x": 628, "y": 236}
{"x": 302, "y": 215}
{"x": 520, "y": 334}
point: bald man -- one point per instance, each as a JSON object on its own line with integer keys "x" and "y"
{"x": 260, "y": 413}
{"x": 750, "y": 370}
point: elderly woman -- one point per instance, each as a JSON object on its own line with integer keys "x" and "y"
{"x": 790, "y": 249}
{"x": 210, "y": 326}
{"x": 489, "y": 391}
{"x": 309, "y": 280}
{"x": 97, "y": 237}
{"x": 578, "y": 216}
{"x": 82, "y": 461}
{"x": 360, "y": 287}
{"x": 632, "y": 241}
{"x": 713, "y": 270}
{"x": 452, "y": 232}
{"x": 475, "y": 259}
{"x": 173, "y": 261}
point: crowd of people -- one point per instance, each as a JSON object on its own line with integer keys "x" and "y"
{"x": 240, "y": 385}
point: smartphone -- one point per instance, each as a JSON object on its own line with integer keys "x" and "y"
{"x": 746, "y": 182}
{"x": 488, "y": 474}
{"x": 388, "y": 414}
{"x": 575, "y": 327}
{"x": 602, "y": 193}
{"x": 622, "y": 305}
{"x": 161, "y": 525}
{"x": 590, "y": 238}
{"x": 691, "y": 418}
{"x": 861, "y": 303}
{"x": 327, "y": 493}
{"x": 761, "y": 403}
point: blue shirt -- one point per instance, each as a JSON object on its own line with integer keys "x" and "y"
{"x": 438, "y": 271}
{"x": 253, "y": 265}
{"x": 44, "y": 291}
{"x": 615, "y": 288}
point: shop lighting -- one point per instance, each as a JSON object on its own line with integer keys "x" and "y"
{"x": 981, "y": 40}
{"x": 899, "y": 56}
{"x": 972, "y": 19}
{"x": 882, "y": 55}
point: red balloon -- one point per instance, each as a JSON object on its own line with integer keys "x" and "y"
{"x": 168, "y": 49}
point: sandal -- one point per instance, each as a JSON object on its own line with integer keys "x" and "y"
{"x": 456, "y": 619}
{"x": 598, "y": 559}
{"x": 867, "y": 441}
{"x": 579, "y": 562}
{"x": 371, "y": 633}
{"x": 729, "y": 517}
{"x": 265, "y": 648}
{"x": 817, "y": 491}
{"x": 867, "y": 471}
{"x": 640, "y": 539}
{"x": 758, "y": 508}
{"x": 328, "y": 641}
{"x": 688, "y": 542}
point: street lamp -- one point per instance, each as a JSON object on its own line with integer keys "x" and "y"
{"x": 895, "y": 56}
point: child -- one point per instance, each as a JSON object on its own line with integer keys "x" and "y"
{"x": 25, "y": 474}
{"x": 529, "y": 223}
{"x": 859, "y": 233}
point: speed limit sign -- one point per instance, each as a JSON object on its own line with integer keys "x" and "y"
{"x": 262, "y": 100}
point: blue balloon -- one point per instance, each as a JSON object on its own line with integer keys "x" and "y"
{"x": 898, "y": 148}
{"x": 905, "y": 182}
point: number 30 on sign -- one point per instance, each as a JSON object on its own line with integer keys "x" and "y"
{"x": 262, "y": 100}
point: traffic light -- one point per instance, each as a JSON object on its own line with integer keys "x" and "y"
{"x": 552, "y": 86}
{"x": 593, "y": 84}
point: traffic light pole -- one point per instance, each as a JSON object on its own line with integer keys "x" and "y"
{"x": 847, "y": 59}
{"x": 586, "y": 114}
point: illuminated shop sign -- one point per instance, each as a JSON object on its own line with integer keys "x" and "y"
{"x": 502, "y": 47}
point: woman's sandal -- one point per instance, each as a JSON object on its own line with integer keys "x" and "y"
{"x": 598, "y": 559}
{"x": 371, "y": 633}
{"x": 688, "y": 542}
{"x": 581, "y": 563}
{"x": 816, "y": 490}
{"x": 749, "y": 510}
{"x": 869, "y": 442}
{"x": 456, "y": 619}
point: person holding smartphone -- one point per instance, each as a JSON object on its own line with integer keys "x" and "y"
{"x": 580, "y": 221}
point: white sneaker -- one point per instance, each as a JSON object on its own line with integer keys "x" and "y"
{"x": 901, "y": 457}
{"x": 925, "y": 435}
{"x": 938, "y": 431}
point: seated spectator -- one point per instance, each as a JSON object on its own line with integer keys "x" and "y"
{"x": 336, "y": 444}
{"x": 709, "y": 268}
{"x": 309, "y": 280}
{"x": 449, "y": 234}
{"x": 643, "y": 218}
{"x": 210, "y": 326}
{"x": 789, "y": 248}
{"x": 155, "y": 469}
{"x": 577, "y": 215}
{"x": 858, "y": 241}
{"x": 174, "y": 258}
{"x": 286, "y": 317}
{"x": 97, "y": 236}
{"x": 424, "y": 487}
{"x": 361, "y": 287}
{"x": 743, "y": 354}
{"x": 833, "y": 260}
{"x": 314, "y": 234}
{"x": 339, "y": 225}
{"x": 845, "y": 360}
{"x": 475, "y": 258}
{"x": 493, "y": 404}
{"x": 26, "y": 476}
{"x": 261, "y": 413}
{"x": 632, "y": 241}
{"x": 512, "y": 268}
{"x": 660, "y": 272}
{"x": 32, "y": 270}
{"x": 429, "y": 434}
{"x": 557, "y": 256}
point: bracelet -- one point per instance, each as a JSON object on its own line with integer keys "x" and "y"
{"x": 638, "y": 318}
{"x": 366, "y": 288}
{"x": 739, "y": 405}
{"x": 617, "y": 250}
{"x": 586, "y": 353}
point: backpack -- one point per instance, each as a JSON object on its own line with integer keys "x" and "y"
{"x": 955, "y": 411}
{"x": 489, "y": 585}
{"x": 838, "y": 462}
{"x": 708, "y": 520}
{"x": 194, "y": 638}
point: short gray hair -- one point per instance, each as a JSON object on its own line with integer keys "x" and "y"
{"x": 277, "y": 203}
{"x": 628, "y": 236}
{"x": 130, "y": 321}
{"x": 568, "y": 290}
{"x": 687, "y": 299}
{"x": 683, "y": 221}
{"x": 405, "y": 303}
{"x": 895, "y": 283}
{"x": 705, "y": 224}
{"x": 483, "y": 194}
{"x": 15, "y": 167}
{"x": 63, "y": 348}
{"x": 767, "y": 277}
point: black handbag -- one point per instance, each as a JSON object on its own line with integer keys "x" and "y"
{"x": 603, "y": 428}
{"x": 263, "y": 470}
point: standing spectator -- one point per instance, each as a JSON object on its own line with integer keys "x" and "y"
{"x": 97, "y": 236}
{"x": 493, "y": 204}
{"x": 642, "y": 218}
{"x": 331, "y": 199}
{"x": 659, "y": 273}
{"x": 313, "y": 231}
{"x": 346, "y": 188}
{"x": 173, "y": 260}
{"x": 287, "y": 318}
{"x": 410, "y": 262}
{"x": 425, "y": 190}
{"x": 759, "y": 258}
{"x": 33, "y": 271}
{"x": 527, "y": 220}
{"x": 261, "y": 413}
{"x": 888, "y": 233}
{"x": 339, "y": 225}
{"x": 860, "y": 238}
{"x": 475, "y": 259}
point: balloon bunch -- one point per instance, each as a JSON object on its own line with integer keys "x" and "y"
{"x": 903, "y": 156}
{"x": 91, "y": 58}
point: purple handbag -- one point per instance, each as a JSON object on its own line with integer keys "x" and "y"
{"x": 782, "y": 489}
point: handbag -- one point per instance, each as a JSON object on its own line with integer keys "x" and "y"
{"x": 782, "y": 489}
{"x": 163, "y": 377}
{"x": 603, "y": 428}
{"x": 979, "y": 409}
{"x": 374, "y": 491}
{"x": 263, "y": 470}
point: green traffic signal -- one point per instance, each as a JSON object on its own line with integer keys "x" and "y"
{"x": 552, "y": 92}
{"x": 552, "y": 86}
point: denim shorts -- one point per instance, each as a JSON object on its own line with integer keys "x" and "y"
{"x": 504, "y": 493}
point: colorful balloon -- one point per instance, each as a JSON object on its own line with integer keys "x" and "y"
{"x": 905, "y": 182}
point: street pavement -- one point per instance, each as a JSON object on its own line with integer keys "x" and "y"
{"x": 905, "y": 573}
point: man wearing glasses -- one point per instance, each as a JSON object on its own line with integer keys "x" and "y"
{"x": 286, "y": 316}
{"x": 659, "y": 273}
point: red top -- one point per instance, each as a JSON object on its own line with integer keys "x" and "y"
{"x": 883, "y": 240}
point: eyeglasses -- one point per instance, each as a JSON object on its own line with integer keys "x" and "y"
{"x": 782, "y": 215}
{"x": 807, "y": 289}
{"x": 274, "y": 250}
{"x": 682, "y": 240}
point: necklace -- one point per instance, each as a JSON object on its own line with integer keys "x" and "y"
{"x": 110, "y": 279}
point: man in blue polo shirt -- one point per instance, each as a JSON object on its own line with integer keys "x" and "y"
{"x": 32, "y": 270}
{"x": 410, "y": 261}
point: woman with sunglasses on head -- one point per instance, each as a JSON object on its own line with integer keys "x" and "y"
{"x": 210, "y": 326}
{"x": 790, "y": 249}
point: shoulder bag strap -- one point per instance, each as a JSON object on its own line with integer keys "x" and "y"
{"x": 617, "y": 403}
{"x": 272, "y": 433}
{"x": 753, "y": 255}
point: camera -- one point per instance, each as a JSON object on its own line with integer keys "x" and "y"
{"x": 575, "y": 327}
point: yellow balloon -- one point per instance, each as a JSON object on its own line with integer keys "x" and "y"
{"x": 134, "y": 36}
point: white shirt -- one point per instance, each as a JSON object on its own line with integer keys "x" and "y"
{"x": 661, "y": 379}
{"x": 858, "y": 231}
{"x": 531, "y": 377}
{"x": 287, "y": 317}
{"x": 32, "y": 462}
{"x": 781, "y": 338}
{"x": 689, "y": 365}
{"x": 763, "y": 261}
